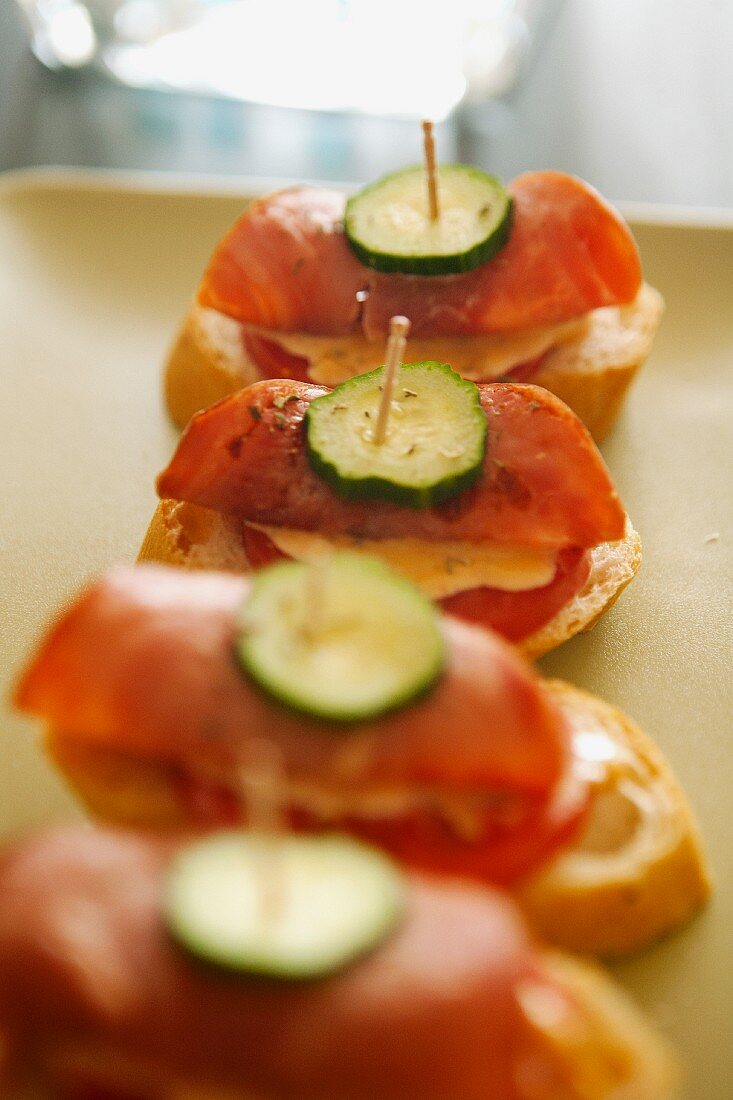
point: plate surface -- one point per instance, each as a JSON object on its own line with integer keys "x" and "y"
{"x": 94, "y": 277}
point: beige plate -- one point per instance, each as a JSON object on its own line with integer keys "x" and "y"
{"x": 95, "y": 273}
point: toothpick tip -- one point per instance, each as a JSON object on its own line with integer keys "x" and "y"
{"x": 399, "y": 326}
{"x": 429, "y": 150}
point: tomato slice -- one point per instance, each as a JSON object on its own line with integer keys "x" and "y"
{"x": 500, "y": 853}
{"x": 259, "y": 548}
{"x": 523, "y": 372}
{"x": 517, "y": 615}
{"x": 272, "y": 360}
{"x": 514, "y": 615}
{"x": 510, "y": 840}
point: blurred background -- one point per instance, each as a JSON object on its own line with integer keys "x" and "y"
{"x": 634, "y": 95}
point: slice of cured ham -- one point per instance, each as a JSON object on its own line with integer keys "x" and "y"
{"x": 544, "y": 484}
{"x": 143, "y": 663}
{"x": 285, "y": 265}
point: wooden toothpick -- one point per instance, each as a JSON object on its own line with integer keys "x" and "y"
{"x": 429, "y": 147}
{"x": 262, "y": 780}
{"x": 398, "y": 330}
{"x": 315, "y": 597}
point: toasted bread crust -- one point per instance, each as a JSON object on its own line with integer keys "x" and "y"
{"x": 197, "y": 538}
{"x": 591, "y": 372}
{"x": 193, "y": 537}
{"x": 623, "y": 1059}
{"x": 613, "y": 565}
{"x": 206, "y": 362}
{"x": 616, "y": 902}
{"x": 117, "y": 788}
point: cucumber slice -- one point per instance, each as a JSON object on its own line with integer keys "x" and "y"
{"x": 434, "y": 445}
{"x": 342, "y": 638}
{"x": 288, "y": 907}
{"x": 388, "y": 223}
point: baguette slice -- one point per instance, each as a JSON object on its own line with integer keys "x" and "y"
{"x": 590, "y": 365}
{"x": 638, "y": 869}
{"x": 636, "y": 872}
{"x": 192, "y": 537}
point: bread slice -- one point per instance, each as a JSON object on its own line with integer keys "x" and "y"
{"x": 592, "y": 373}
{"x": 590, "y": 367}
{"x": 613, "y": 565}
{"x": 207, "y": 362}
{"x": 638, "y": 869}
{"x": 612, "y": 1051}
{"x": 636, "y": 872}
{"x": 197, "y": 538}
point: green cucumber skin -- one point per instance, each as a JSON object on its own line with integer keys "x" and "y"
{"x": 434, "y": 266}
{"x": 342, "y": 720}
{"x": 379, "y": 488}
{"x": 339, "y": 719}
{"x": 430, "y": 266}
{"x": 260, "y": 967}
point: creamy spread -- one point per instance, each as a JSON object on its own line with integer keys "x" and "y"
{"x": 333, "y": 359}
{"x": 440, "y": 569}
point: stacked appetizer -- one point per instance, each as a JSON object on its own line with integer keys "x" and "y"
{"x": 493, "y": 498}
{"x": 540, "y": 281}
{"x": 420, "y": 733}
{"x": 291, "y": 969}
